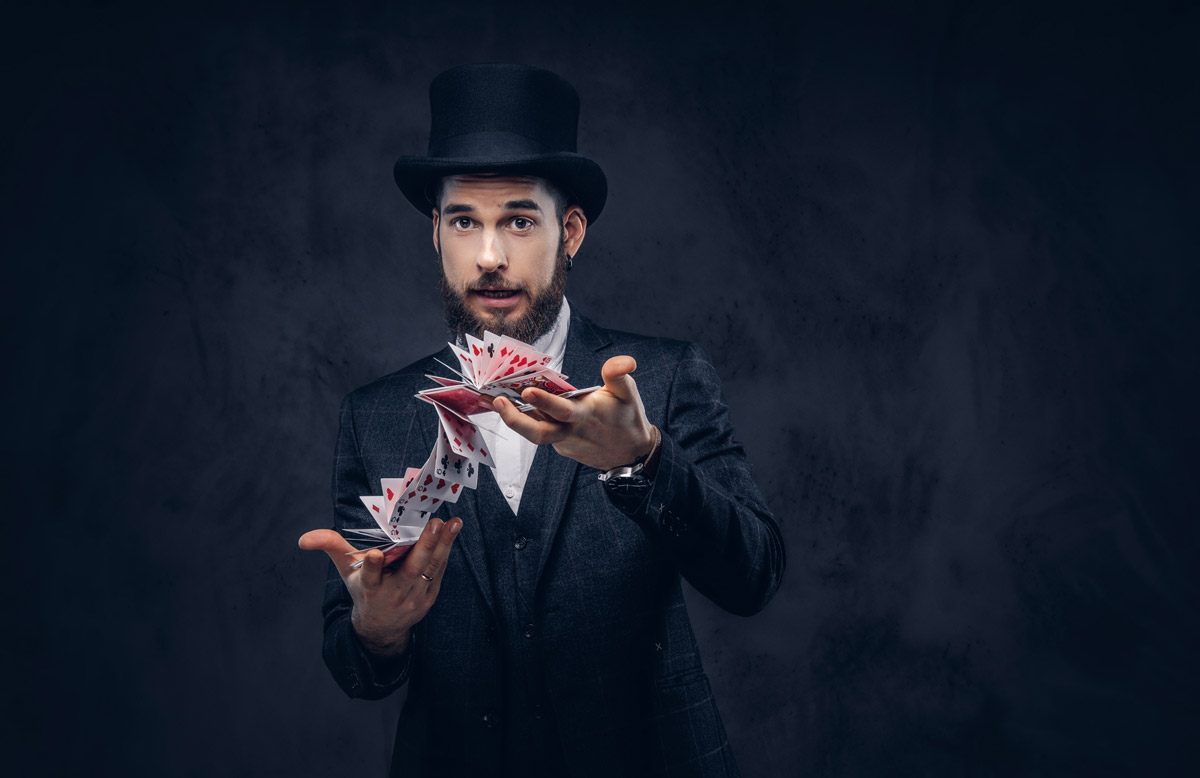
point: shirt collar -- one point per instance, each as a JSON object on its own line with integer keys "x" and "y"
{"x": 554, "y": 342}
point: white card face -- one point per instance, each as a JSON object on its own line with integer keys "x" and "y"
{"x": 464, "y": 438}
{"x": 465, "y": 363}
{"x": 454, "y": 467}
{"x": 520, "y": 360}
{"x": 477, "y": 350}
{"x": 378, "y": 510}
{"x": 406, "y": 521}
{"x": 491, "y": 345}
{"x": 392, "y": 489}
{"x": 416, "y": 496}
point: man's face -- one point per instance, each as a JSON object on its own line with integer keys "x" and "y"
{"x": 503, "y": 253}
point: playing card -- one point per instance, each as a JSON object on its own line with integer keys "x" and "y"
{"x": 464, "y": 437}
{"x": 454, "y": 467}
{"x": 520, "y": 360}
{"x": 465, "y": 363}
{"x": 377, "y": 509}
{"x": 546, "y": 380}
{"x": 493, "y": 365}
{"x": 480, "y": 361}
{"x": 463, "y": 400}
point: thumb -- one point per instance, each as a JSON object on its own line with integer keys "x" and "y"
{"x": 332, "y": 544}
{"x": 617, "y": 380}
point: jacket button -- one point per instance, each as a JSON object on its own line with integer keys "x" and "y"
{"x": 529, "y": 631}
{"x": 520, "y": 543}
{"x": 490, "y": 719}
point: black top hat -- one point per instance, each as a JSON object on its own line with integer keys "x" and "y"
{"x": 503, "y": 119}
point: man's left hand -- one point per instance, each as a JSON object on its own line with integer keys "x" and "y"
{"x": 604, "y": 429}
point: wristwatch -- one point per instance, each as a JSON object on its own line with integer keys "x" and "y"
{"x": 628, "y": 484}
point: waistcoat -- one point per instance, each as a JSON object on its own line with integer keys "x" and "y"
{"x": 531, "y": 743}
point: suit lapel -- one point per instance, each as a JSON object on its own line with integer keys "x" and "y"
{"x": 552, "y": 475}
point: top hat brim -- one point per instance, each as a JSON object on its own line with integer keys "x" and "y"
{"x": 579, "y": 177}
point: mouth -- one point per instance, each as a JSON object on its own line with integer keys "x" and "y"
{"x": 497, "y": 298}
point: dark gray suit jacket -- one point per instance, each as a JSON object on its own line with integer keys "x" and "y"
{"x": 621, "y": 671}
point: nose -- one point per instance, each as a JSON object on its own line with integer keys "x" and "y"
{"x": 491, "y": 252}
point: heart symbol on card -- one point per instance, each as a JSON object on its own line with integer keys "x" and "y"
{"x": 454, "y": 488}
{"x": 428, "y": 480}
{"x": 441, "y": 484}
{"x": 391, "y": 494}
{"x": 412, "y": 495}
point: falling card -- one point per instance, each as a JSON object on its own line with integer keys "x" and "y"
{"x": 494, "y": 365}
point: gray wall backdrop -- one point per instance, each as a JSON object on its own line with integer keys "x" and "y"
{"x": 943, "y": 255}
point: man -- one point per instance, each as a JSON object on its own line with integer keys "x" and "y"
{"x": 541, "y": 628}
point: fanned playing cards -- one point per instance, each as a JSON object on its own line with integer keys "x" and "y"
{"x": 493, "y": 367}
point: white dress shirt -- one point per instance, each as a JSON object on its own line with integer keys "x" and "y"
{"x": 512, "y": 453}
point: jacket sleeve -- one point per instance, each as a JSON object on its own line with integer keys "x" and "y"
{"x": 357, "y": 672}
{"x": 704, "y": 505}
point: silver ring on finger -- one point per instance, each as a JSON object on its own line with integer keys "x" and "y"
{"x": 427, "y": 578}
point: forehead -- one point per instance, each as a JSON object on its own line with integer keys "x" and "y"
{"x": 494, "y": 190}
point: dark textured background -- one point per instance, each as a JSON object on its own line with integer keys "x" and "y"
{"x": 944, "y": 258}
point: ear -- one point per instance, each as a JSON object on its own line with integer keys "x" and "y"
{"x": 574, "y": 228}
{"x": 437, "y": 219}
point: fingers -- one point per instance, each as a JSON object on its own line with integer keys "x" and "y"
{"x": 371, "y": 573}
{"x": 539, "y": 432}
{"x": 423, "y": 563}
{"x": 617, "y": 380}
{"x": 552, "y": 406}
{"x": 441, "y": 554}
{"x": 332, "y": 544}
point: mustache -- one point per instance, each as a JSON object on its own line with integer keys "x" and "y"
{"x": 495, "y": 281}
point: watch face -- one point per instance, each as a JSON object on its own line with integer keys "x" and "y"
{"x": 627, "y": 484}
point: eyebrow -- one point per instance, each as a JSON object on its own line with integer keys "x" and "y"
{"x": 511, "y": 205}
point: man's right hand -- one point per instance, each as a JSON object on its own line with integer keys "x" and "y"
{"x": 387, "y": 603}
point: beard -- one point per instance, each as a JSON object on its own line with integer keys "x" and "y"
{"x": 540, "y": 312}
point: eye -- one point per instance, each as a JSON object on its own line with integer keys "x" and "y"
{"x": 461, "y": 223}
{"x": 521, "y": 224}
